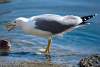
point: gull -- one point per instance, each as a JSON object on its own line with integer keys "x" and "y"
{"x": 49, "y": 25}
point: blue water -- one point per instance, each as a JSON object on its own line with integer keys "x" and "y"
{"x": 67, "y": 49}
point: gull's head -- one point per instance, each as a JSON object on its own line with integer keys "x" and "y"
{"x": 16, "y": 23}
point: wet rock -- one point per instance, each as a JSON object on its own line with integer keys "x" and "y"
{"x": 4, "y": 44}
{"x": 91, "y": 61}
{"x": 4, "y": 47}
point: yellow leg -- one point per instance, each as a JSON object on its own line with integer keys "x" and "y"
{"x": 47, "y": 51}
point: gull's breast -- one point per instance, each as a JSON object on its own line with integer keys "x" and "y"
{"x": 30, "y": 29}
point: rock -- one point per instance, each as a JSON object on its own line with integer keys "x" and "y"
{"x": 91, "y": 61}
{"x": 4, "y": 1}
{"x": 4, "y": 44}
{"x": 4, "y": 47}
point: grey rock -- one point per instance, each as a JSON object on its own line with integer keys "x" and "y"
{"x": 91, "y": 61}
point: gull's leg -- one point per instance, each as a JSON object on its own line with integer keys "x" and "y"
{"x": 47, "y": 51}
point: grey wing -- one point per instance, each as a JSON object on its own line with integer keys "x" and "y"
{"x": 52, "y": 26}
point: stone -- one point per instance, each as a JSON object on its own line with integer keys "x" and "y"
{"x": 91, "y": 61}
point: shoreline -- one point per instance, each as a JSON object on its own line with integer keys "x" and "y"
{"x": 30, "y": 64}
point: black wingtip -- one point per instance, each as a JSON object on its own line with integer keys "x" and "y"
{"x": 85, "y": 18}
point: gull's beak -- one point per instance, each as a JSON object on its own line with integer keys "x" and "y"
{"x": 10, "y": 26}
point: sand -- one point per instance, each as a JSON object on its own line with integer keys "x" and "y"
{"x": 30, "y": 64}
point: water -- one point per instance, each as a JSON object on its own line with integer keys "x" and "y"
{"x": 67, "y": 49}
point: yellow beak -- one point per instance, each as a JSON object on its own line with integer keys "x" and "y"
{"x": 10, "y": 26}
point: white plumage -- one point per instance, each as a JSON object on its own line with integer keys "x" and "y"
{"x": 28, "y": 24}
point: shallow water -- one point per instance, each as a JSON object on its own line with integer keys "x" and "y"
{"x": 67, "y": 49}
